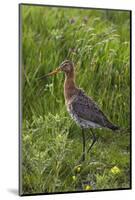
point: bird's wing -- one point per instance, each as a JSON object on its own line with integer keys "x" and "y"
{"x": 85, "y": 108}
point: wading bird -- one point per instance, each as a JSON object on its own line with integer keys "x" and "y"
{"x": 82, "y": 108}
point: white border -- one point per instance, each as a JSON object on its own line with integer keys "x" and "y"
{"x": 9, "y": 98}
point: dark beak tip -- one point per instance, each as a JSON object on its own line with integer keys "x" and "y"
{"x": 42, "y": 77}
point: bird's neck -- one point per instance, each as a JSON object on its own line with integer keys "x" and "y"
{"x": 69, "y": 86}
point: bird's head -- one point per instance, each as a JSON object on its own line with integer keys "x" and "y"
{"x": 67, "y": 67}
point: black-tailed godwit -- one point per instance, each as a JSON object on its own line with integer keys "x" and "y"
{"x": 82, "y": 108}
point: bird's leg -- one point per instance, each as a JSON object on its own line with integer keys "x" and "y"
{"x": 83, "y": 137}
{"x": 94, "y": 139}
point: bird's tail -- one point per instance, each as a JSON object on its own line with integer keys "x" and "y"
{"x": 114, "y": 127}
{"x": 118, "y": 129}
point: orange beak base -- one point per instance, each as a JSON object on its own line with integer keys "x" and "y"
{"x": 54, "y": 72}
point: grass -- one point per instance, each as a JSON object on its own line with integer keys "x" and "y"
{"x": 98, "y": 41}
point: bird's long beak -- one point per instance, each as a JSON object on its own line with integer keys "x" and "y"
{"x": 51, "y": 73}
{"x": 54, "y": 72}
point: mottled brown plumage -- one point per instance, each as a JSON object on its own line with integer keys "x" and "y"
{"x": 86, "y": 109}
{"x": 81, "y": 107}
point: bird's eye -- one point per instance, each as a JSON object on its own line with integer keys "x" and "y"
{"x": 65, "y": 65}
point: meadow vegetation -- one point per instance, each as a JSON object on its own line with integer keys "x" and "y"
{"x": 98, "y": 42}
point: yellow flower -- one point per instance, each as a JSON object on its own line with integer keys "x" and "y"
{"x": 74, "y": 178}
{"x": 78, "y": 169}
{"x": 115, "y": 170}
{"x": 88, "y": 187}
{"x": 59, "y": 136}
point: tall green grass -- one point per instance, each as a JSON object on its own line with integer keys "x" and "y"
{"x": 98, "y": 42}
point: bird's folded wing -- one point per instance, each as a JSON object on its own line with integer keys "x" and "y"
{"x": 85, "y": 108}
